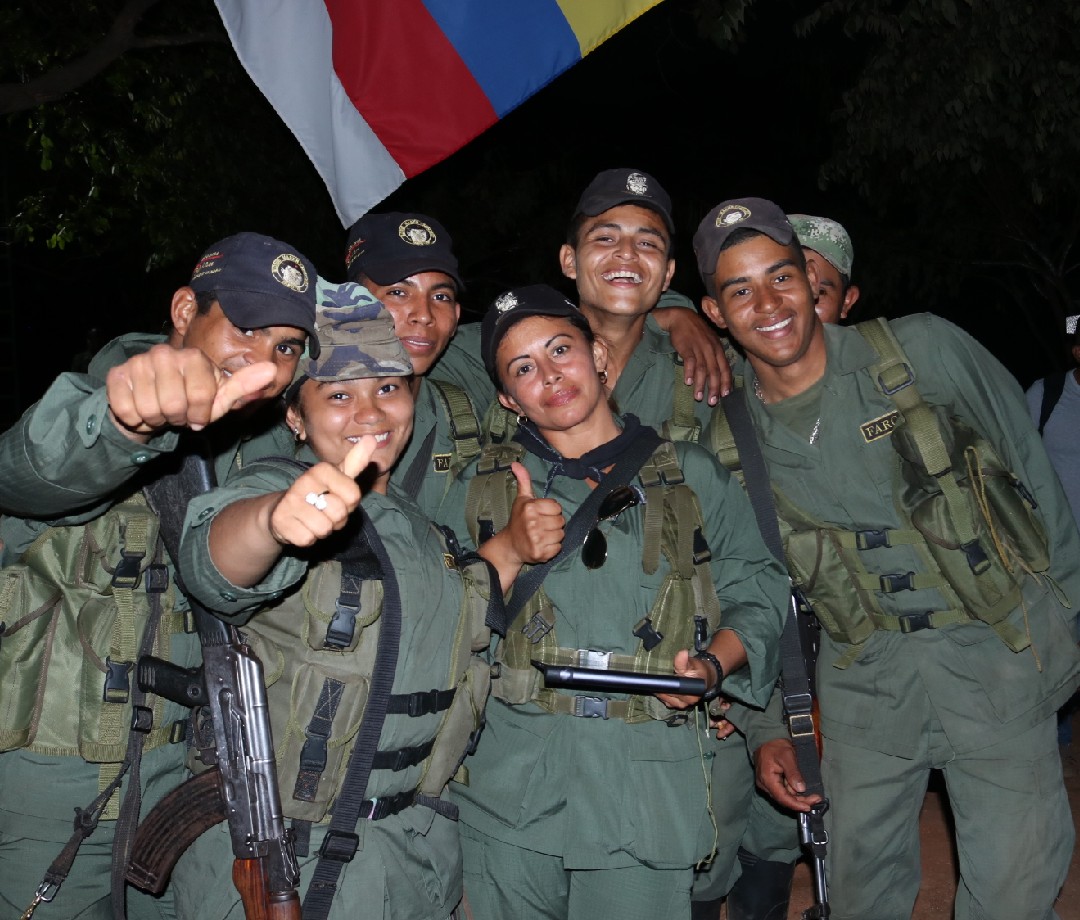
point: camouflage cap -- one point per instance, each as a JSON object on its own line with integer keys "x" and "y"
{"x": 356, "y": 337}
{"x": 826, "y": 237}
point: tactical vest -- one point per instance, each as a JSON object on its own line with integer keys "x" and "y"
{"x": 318, "y": 647}
{"x": 967, "y": 517}
{"x": 685, "y": 611}
{"x": 73, "y": 611}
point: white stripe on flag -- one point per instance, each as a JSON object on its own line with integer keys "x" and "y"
{"x": 285, "y": 45}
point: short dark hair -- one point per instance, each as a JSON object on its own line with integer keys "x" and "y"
{"x": 204, "y": 301}
{"x": 747, "y": 233}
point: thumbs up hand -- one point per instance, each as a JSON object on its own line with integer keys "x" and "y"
{"x": 321, "y": 500}
{"x": 536, "y": 525}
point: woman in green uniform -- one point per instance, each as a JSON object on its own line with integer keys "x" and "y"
{"x": 321, "y": 561}
{"x": 597, "y": 804}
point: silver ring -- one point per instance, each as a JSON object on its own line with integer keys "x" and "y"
{"x": 316, "y": 500}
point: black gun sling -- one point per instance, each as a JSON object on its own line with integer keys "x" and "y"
{"x": 794, "y": 679}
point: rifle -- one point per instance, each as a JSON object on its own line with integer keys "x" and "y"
{"x": 232, "y": 732}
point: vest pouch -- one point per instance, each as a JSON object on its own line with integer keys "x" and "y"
{"x": 105, "y": 680}
{"x": 293, "y": 703}
{"x": 30, "y": 612}
{"x": 959, "y": 534}
{"x": 329, "y": 626}
{"x": 817, "y": 567}
{"x": 1009, "y": 503}
{"x": 672, "y": 616}
{"x": 517, "y": 681}
{"x": 462, "y": 719}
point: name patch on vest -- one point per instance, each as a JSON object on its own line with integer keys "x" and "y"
{"x": 880, "y": 427}
{"x": 440, "y": 463}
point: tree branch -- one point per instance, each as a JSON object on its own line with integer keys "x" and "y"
{"x": 58, "y": 82}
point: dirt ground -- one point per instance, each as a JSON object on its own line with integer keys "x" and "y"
{"x": 939, "y": 861}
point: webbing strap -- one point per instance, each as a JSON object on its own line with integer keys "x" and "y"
{"x": 464, "y": 429}
{"x": 683, "y": 424}
{"x": 350, "y": 802}
{"x": 314, "y": 752}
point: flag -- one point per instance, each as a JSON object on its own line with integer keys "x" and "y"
{"x": 377, "y": 91}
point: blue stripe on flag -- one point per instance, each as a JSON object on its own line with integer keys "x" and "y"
{"x": 512, "y": 47}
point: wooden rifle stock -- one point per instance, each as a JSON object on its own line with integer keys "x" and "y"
{"x": 249, "y": 877}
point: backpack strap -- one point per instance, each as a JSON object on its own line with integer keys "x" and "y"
{"x": 1053, "y": 387}
{"x": 683, "y": 424}
{"x": 464, "y": 427}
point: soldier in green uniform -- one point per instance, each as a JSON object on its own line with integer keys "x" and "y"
{"x": 407, "y": 261}
{"x": 827, "y": 244}
{"x": 599, "y": 806}
{"x": 921, "y": 517}
{"x": 277, "y": 549}
{"x": 84, "y": 576}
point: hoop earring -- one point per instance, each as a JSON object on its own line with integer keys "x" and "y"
{"x": 603, "y": 377}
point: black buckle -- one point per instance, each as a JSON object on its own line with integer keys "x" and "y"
{"x": 142, "y": 719}
{"x": 313, "y": 754}
{"x": 340, "y": 846}
{"x": 646, "y": 632}
{"x": 590, "y": 707}
{"x": 342, "y": 627}
{"x": 871, "y": 539}
{"x": 157, "y": 578}
{"x": 117, "y": 681}
{"x": 976, "y": 557}
{"x": 898, "y": 581}
{"x": 908, "y": 381}
{"x": 913, "y": 622}
{"x": 126, "y": 574}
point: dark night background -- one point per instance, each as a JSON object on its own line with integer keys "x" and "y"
{"x": 942, "y": 134}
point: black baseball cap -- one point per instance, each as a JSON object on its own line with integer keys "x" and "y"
{"x": 737, "y": 214}
{"x": 259, "y": 282}
{"x": 614, "y": 187}
{"x": 391, "y": 246}
{"x": 514, "y": 305}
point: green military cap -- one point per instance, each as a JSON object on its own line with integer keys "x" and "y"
{"x": 827, "y": 237}
{"x": 356, "y": 337}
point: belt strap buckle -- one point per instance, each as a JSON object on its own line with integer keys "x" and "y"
{"x": 898, "y": 581}
{"x": 913, "y": 622}
{"x": 590, "y": 707}
{"x": 340, "y": 846}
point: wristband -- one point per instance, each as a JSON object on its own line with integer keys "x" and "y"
{"x": 709, "y": 695}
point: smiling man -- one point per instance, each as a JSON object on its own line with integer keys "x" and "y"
{"x": 663, "y": 364}
{"x": 947, "y": 619}
{"x": 86, "y": 586}
{"x": 407, "y": 261}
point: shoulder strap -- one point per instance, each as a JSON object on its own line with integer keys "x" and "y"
{"x": 683, "y": 424}
{"x": 1053, "y": 387}
{"x": 464, "y": 428}
{"x": 794, "y": 679}
{"x": 583, "y": 519}
{"x": 339, "y": 844}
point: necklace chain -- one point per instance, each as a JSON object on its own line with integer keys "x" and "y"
{"x": 759, "y": 393}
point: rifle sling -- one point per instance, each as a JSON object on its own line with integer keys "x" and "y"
{"x": 794, "y": 679}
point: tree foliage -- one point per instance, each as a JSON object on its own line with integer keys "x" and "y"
{"x": 131, "y": 112}
{"x": 959, "y": 129}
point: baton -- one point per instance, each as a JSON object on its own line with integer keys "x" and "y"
{"x": 618, "y": 681}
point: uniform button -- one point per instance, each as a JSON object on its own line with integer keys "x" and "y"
{"x": 275, "y": 595}
{"x": 226, "y": 596}
{"x": 91, "y": 424}
{"x": 140, "y": 456}
{"x": 205, "y": 513}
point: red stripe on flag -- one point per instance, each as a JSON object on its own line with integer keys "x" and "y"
{"x": 406, "y": 80}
